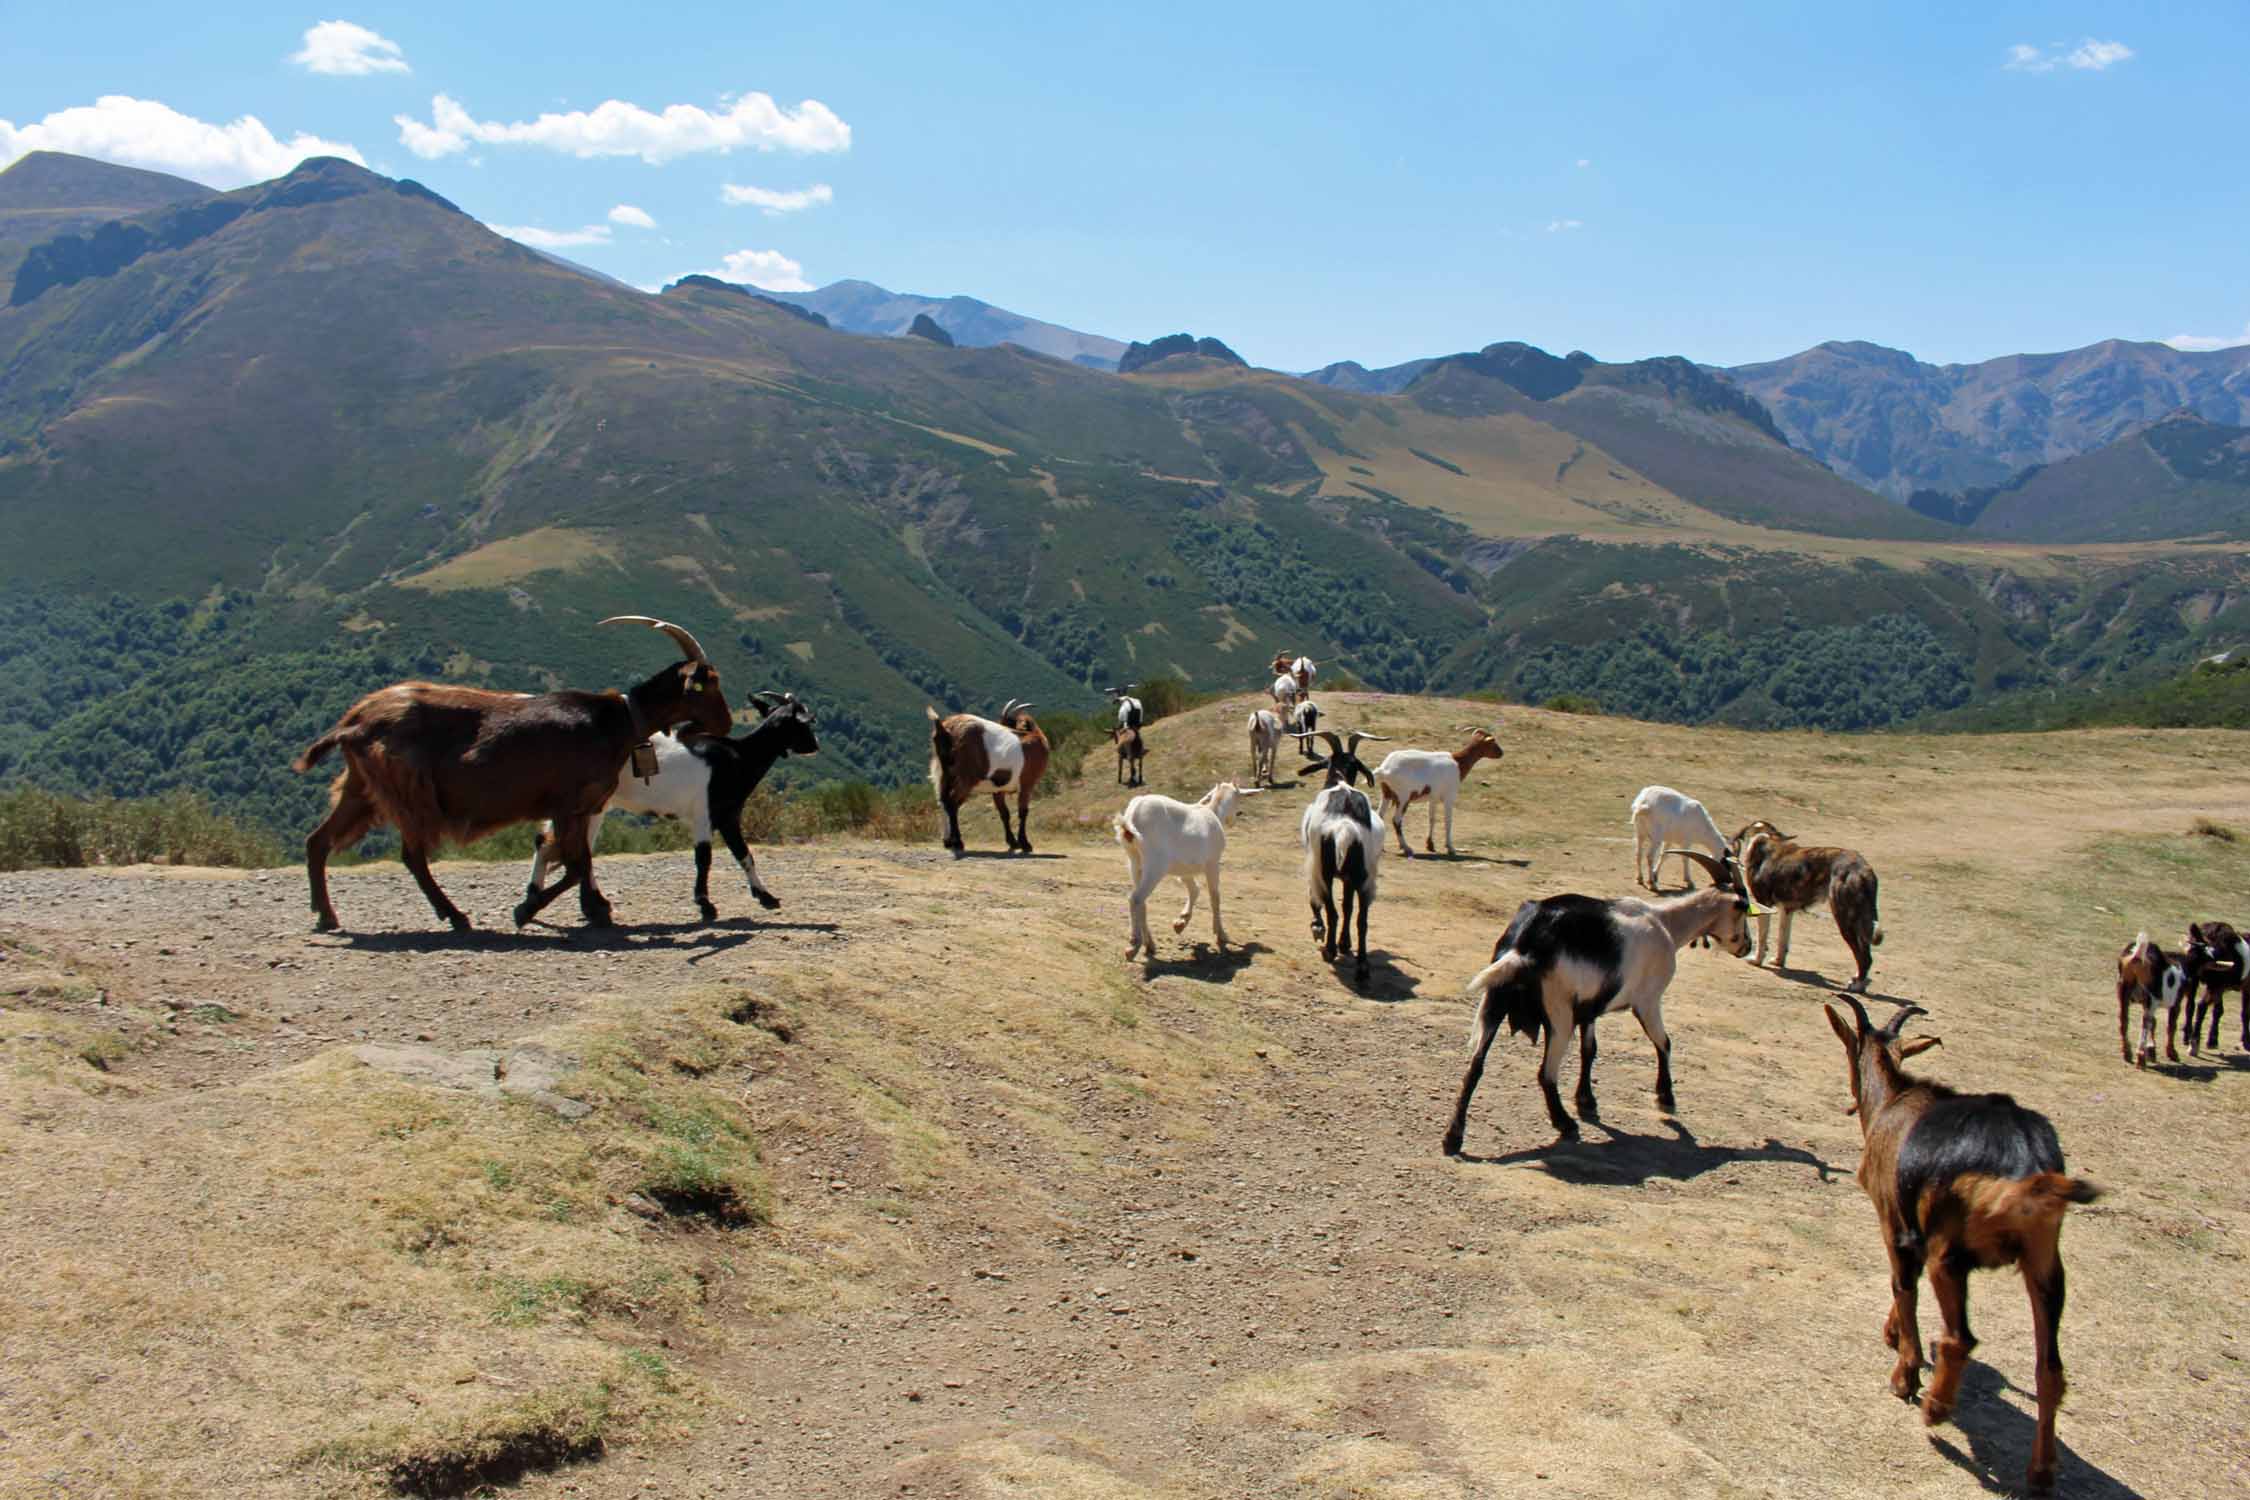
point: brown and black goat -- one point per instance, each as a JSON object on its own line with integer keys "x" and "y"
{"x": 1788, "y": 877}
{"x": 2148, "y": 978}
{"x": 452, "y": 764}
{"x": 2217, "y": 959}
{"x": 1960, "y": 1182}
{"x": 970, "y": 755}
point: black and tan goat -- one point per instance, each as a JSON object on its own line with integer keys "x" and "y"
{"x": 452, "y": 764}
{"x": 1960, "y": 1182}
{"x": 970, "y": 755}
{"x": 2148, "y": 978}
{"x": 1787, "y": 877}
{"x": 2217, "y": 959}
{"x": 1126, "y": 736}
{"x": 1565, "y": 961}
{"x": 1343, "y": 842}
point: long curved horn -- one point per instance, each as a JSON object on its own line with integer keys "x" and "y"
{"x": 688, "y": 643}
{"x": 1719, "y": 873}
{"x": 1008, "y": 712}
{"x": 1858, "y": 1010}
{"x": 1906, "y": 1013}
{"x": 1359, "y": 739}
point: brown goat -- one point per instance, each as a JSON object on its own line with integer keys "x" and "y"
{"x": 1789, "y": 878}
{"x": 442, "y": 763}
{"x": 1960, "y": 1182}
{"x": 970, "y": 755}
{"x": 2149, "y": 979}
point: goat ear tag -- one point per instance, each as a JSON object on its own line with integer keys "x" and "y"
{"x": 644, "y": 761}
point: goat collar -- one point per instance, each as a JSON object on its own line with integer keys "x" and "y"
{"x": 640, "y": 720}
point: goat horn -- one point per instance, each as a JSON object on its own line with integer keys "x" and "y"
{"x": 1859, "y": 1010}
{"x": 1906, "y": 1013}
{"x": 688, "y": 643}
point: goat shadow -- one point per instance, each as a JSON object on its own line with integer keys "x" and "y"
{"x": 1388, "y": 983}
{"x": 1466, "y": 859}
{"x": 1207, "y": 963}
{"x": 2188, "y": 1072}
{"x": 1815, "y": 980}
{"x": 717, "y": 936}
{"x": 1000, "y": 854}
{"x": 1629, "y": 1160}
{"x": 1999, "y": 1435}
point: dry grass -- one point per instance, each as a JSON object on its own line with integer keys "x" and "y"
{"x": 547, "y": 549}
{"x": 1043, "y": 1222}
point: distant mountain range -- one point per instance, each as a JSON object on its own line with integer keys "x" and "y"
{"x": 2180, "y": 476}
{"x": 864, "y": 307}
{"x": 49, "y": 193}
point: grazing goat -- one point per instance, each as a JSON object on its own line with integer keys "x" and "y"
{"x": 1781, "y": 875}
{"x": 970, "y": 755}
{"x": 1304, "y": 723}
{"x": 704, "y": 782}
{"x": 2147, "y": 978}
{"x": 442, "y": 763}
{"x": 1960, "y": 1182}
{"x": 1300, "y": 669}
{"x": 1666, "y": 822}
{"x": 1343, "y": 841}
{"x": 1410, "y": 776}
{"x": 2217, "y": 959}
{"x": 1566, "y": 960}
{"x": 1127, "y": 735}
{"x": 1163, "y": 837}
{"x": 1265, "y": 744}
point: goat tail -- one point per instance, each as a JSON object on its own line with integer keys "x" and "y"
{"x": 1506, "y": 967}
{"x": 1124, "y": 831}
{"x": 2044, "y": 1195}
{"x": 1877, "y": 938}
{"x": 318, "y": 750}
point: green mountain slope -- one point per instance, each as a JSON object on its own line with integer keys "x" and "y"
{"x": 48, "y": 193}
{"x": 2182, "y": 476}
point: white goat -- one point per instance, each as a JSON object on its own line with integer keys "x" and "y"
{"x": 1409, "y": 776}
{"x": 1343, "y": 841}
{"x": 1286, "y": 692}
{"x": 1665, "y": 823}
{"x": 1162, "y": 837}
{"x": 1265, "y": 744}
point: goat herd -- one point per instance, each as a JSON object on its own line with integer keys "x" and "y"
{"x": 1959, "y": 1181}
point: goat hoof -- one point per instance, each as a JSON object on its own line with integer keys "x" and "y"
{"x": 461, "y": 923}
{"x": 710, "y": 912}
{"x": 522, "y": 913}
{"x": 326, "y": 924}
{"x": 1935, "y": 1415}
{"x": 2039, "y": 1482}
{"x": 767, "y": 900}
{"x": 1452, "y": 1144}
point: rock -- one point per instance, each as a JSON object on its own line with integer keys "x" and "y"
{"x": 526, "y": 1071}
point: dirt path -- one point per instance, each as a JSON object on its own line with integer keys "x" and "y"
{"x": 1050, "y": 1225}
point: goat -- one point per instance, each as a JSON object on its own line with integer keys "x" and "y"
{"x": 1265, "y": 744}
{"x": 1960, "y": 1182}
{"x": 1665, "y": 822}
{"x": 1127, "y": 735}
{"x": 704, "y": 782}
{"x": 2217, "y": 959}
{"x": 1299, "y": 668}
{"x": 970, "y": 755}
{"x": 1786, "y": 877}
{"x": 1163, "y": 837}
{"x": 2147, "y": 978}
{"x": 1566, "y": 960}
{"x": 1286, "y": 692}
{"x": 1304, "y": 723}
{"x": 1343, "y": 841}
{"x": 443, "y": 763}
{"x": 1410, "y": 776}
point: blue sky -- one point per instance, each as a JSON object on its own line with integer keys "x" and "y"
{"x": 1308, "y": 182}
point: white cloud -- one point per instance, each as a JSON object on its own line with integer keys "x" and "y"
{"x": 1584, "y": 162}
{"x": 145, "y": 133}
{"x": 341, "y": 48}
{"x": 1561, "y": 226}
{"x": 553, "y": 239}
{"x": 2196, "y": 342}
{"x": 775, "y": 201}
{"x": 2089, "y": 56}
{"x": 769, "y": 269}
{"x": 636, "y": 218}
{"x": 615, "y": 128}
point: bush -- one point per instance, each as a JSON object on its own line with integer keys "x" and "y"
{"x": 1573, "y": 703}
{"x": 40, "y": 829}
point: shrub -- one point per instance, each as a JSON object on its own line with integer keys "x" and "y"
{"x": 1573, "y": 703}
{"x": 46, "y": 829}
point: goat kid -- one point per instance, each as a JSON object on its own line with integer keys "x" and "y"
{"x": 1565, "y": 961}
{"x": 1410, "y": 776}
{"x": 970, "y": 755}
{"x": 1666, "y": 822}
{"x": 1780, "y": 874}
{"x": 2145, "y": 977}
{"x": 445, "y": 764}
{"x": 1286, "y": 692}
{"x": 2217, "y": 960}
{"x": 704, "y": 782}
{"x": 1343, "y": 842}
{"x": 1265, "y": 745}
{"x": 1960, "y": 1182}
{"x": 1126, "y": 736}
{"x": 1304, "y": 723}
{"x": 1163, "y": 837}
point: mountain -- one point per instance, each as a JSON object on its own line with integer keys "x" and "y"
{"x": 2178, "y": 477}
{"x": 48, "y": 193}
{"x": 1351, "y": 375}
{"x": 1177, "y": 346}
{"x": 1884, "y": 419}
{"x": 262, "y": 450}
{"x": 863, "y": 307}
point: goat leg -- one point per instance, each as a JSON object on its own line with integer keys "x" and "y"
{"x": 418, "y": 865}
{"x": 1584, "y": 1100}
{"x": 1488, "y": 1026}
{"x": 1950, "y": 1281}
{"x": 1906, "y": 1276}
{"x": 2043, "y": 1279}
{"x": 739, "y": 847}
{"x": 703, "y": 881}
{"x": 1550, "y": 1077}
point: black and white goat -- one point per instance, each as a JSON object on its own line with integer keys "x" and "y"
{"x": 1127, "y": 735}
{"x": 1343, "y": 841}
{"x": 2149, "y": 979}
{"x": 2217, "y": 959}
{"x": 1304, "y": 723}
{"x": 703, "y": 781}
{"x": 1566, "y": 960}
